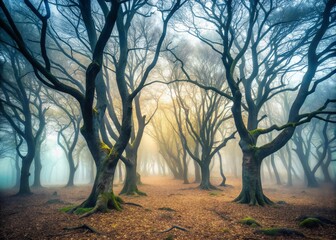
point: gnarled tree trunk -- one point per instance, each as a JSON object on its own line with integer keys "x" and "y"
{"x": 102, "y": 196}
{"x": 252, "y": 192}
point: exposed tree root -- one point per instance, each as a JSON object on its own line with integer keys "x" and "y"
{"x": 85, "y": 227}
{"x": 253, "y": 199}
{"x": 209, "y": 187}
{"x": 167, "y": 209}
{"x": 133, "y": 204}
{"x": 134, "y": 192}
{"x": 177, "y": 227}
{"x": 225, "y": 185}
{"x": 104, "y": 203}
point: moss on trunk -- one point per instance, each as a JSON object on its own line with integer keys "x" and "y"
{"x": 131, "y": 181}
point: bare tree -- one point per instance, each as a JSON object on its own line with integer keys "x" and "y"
{"x": 21, "y": 105}
{"x": 312, "y": 143}
{"x": 106, "y": 158}
{"x": 165, "y": 134}
{"x": 202, "y": 115}
{"x": 68, "y": 132}
{"x": 261, "y": 44}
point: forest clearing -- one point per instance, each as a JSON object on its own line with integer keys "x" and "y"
{"x": 200, "y": 214}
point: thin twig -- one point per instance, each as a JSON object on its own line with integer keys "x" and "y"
{"x": 177, "y": 227}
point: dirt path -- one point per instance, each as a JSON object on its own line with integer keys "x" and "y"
{"x": 199, "y": 214}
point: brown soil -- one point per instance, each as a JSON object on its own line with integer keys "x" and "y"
{"x": 204, "y": 214}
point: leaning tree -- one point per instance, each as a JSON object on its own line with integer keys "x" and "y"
{"x": 97, "y": 27}
{"x": 21, "y": 105}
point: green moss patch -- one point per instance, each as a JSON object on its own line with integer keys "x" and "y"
{"x": 213, "y": 193}
{"x": 67, "y": 208}
{"x": 280, "y": 232}
{"x": 321, "y": 218}
{"x": 78, "y": 211}
{"x": 250, "y": 222}
{"x": 311, "y": 223}
{"x": 81, "y": 211}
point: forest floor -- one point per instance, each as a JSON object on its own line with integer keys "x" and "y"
{"x": 199, "y": 214}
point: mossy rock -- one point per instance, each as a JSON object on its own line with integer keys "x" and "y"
{"x": 279, "y": 232}
{"x": 321, "y": 218}
{"x": 311, "y": 223}
{"x": 250, "y": 222}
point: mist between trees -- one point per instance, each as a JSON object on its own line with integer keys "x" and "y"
{"x": 102, "y": 92}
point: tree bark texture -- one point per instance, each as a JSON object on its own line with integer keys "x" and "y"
{"x": 25, "y": 174}
{"x": 205, "y": 176}
{"x": 252, "y": 192}
{"x": 132, "y": 178}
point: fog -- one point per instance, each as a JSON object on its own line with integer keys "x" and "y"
{"x": 55, "y": 167}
